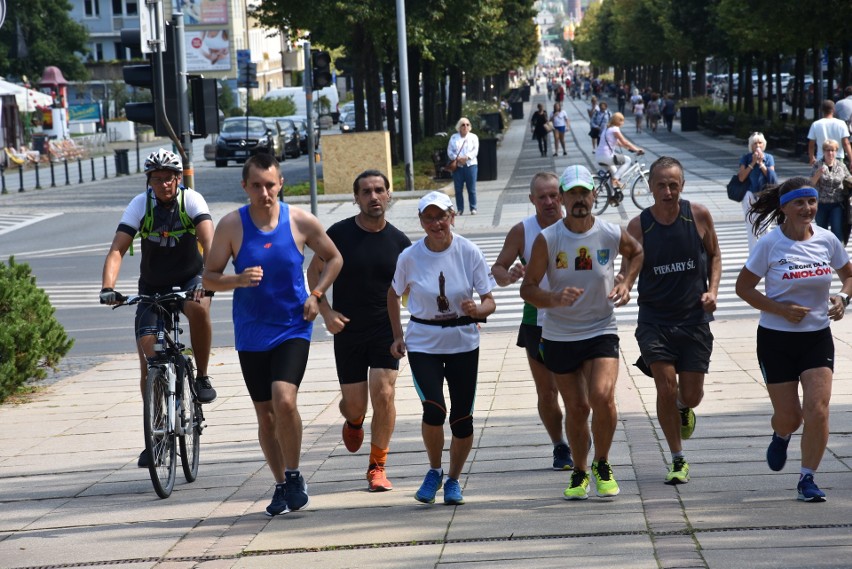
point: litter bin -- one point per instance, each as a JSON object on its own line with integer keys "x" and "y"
{"x": 492, "y": 122}
{"x": 518, "y": 110}
{"x": 487, "y": 160}
{"x": 525, "y": 93}
{"x": 40, "y": 143}
{"x": 122, "y": 162}
{"x": 688, "y": 119}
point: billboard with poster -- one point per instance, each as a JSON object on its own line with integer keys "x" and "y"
{"x": 202, "y": 12}
{"x": 208, "y": 51}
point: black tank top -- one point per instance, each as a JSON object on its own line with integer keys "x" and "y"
{"x": 674, "y": 274}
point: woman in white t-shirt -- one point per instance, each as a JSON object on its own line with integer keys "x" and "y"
{"x": 440, "y": 273}
{"x": 607, "y": 153}
{"x": 797, "y": 261}
{"x": 559, "y": 118}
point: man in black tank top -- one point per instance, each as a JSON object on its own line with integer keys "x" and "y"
{"x": 677, "y": 288}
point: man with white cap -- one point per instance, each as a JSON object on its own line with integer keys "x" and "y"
{"x": 441, "y": 273}
{"x": 579, "y": 335}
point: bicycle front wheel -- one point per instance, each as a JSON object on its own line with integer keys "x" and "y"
{"x": 640, "y": 192}
{"x": 189, "y": 416}
{"x": 601, "y": 195}
{"x": 159, "y": 438}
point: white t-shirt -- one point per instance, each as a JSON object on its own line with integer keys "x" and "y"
{"x": 825, "y": 129}
{"x": 799, "y": 272}
{"x": 608, "y": 144}
{"x": 438, "y": 282}
{"x": 587, "y": 261}
{"x": 639, "y": 108}
{"x": 560, "y": 118}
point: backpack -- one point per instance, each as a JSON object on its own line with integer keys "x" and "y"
{"x": 147, "y": 225}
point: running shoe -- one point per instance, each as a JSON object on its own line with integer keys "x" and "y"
{"x": 687, "y": 423}
{"x": 296, "y": 491}
{"x": 429, "y": 488}
{"x": 809, "y": 491}
{"x": 579, "y": 488}
{"x": 776, "y": 454}
{"x": 377, "y": 480}
{"x": 278, "y": 505}
{"x": 562, "y": 457}
{"x": 452, "y": 493}
{"x": 353, "y": 437}
{"x": 204, "y": 390}
{"x": 679, "y": 472}
{"x": 604, "y": 480}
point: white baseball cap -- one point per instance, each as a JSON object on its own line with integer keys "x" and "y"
{"x": 576, "y": 177}
{"x": 439, "y": 199}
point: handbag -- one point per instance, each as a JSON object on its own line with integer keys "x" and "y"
{"x": 548, "y": 126}
{"x": 618, "y": 159}
{"x": 595, "y": 132}
{"x": 453, "y": 165}
{"x": 736, "y": 189}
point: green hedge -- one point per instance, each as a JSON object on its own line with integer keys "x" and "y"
{"x": 30, "y": 336}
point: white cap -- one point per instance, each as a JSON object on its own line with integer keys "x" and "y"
{"x": 439, "y": 199}
{"x": 576, "y": 177}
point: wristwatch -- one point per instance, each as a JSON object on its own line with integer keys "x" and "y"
{"x": 844, "y": 297}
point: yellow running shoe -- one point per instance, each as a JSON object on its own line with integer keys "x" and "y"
{"x": 579, "y": 488}
{"x": 604, "y": 480}
{"x": 679, "y": 472}
{"x": 687, "y": 423}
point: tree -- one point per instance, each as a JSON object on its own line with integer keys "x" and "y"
{"x": 51, "y": 38}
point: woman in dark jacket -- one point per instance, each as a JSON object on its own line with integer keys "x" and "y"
{"x": 538, "y": 122}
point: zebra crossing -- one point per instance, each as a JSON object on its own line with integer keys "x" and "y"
{"x": 11, "y": 222}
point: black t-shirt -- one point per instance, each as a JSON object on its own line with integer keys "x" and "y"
{"x": 369, "y": 262}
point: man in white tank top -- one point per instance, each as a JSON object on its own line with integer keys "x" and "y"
{"x": 508, "y": 269}
{"x": 580, "y": 337}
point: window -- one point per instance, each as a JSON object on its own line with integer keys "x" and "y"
{"x": 125, "y": 7}
{"x": 99, "y": 52}
{"x": 92, "y": 8}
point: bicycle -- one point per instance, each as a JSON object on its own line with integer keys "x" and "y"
{"x": 636, "y": 178}
{"x": 171, "y": 411}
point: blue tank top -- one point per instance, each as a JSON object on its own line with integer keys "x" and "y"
{"x": 674, "y": 274}
{"x": 267, "y": 315}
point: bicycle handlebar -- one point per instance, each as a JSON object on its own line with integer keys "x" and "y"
{"x": 156, "y": 298}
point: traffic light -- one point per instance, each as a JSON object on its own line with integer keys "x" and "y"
{"x": 147, "y": 77}
{"x": 321, "y": 69}
{"x": 205, "y": 106}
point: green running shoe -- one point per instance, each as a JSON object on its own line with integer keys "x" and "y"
{"x": 687, "y": 423}
{"x": 579, "y": 488}
{"x": 604, "y": 480}
{"x": 679, "y": 472}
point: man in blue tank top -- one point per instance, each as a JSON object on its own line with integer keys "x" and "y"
{"x": 509, "y": 268}
{"x": 678, "y": 286}
{"x": 273, "y": 313}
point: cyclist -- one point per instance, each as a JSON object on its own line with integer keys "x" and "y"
{"x": 172, "y": 221}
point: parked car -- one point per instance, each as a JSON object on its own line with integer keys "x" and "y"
{"x": 288, "y": 135}
{"x": 243, "y": 137}
{"x": 301, "y": 123}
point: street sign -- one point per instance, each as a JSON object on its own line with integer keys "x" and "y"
{"x": 151, "y": 27}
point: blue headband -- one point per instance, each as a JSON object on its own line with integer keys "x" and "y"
{"x": 800, "y": 193}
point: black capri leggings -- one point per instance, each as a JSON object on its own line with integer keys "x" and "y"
{"x": 460, "y": 371}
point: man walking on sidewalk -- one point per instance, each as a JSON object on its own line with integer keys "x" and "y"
{"x": 508, "y": 269}
{"x": 359, "y": 320}
{"x": 579, "y": 335}
{"x": 273, "y": 313}
{"x": 678, "y": 286}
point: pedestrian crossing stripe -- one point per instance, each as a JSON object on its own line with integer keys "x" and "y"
{"x": 12, "y": 222}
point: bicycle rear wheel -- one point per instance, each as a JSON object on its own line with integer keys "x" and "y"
{"x": 601, "y": 195}
{"x": 189, "y": 417}
{"x": 159, "y": 441}
{"x": 640, "y": 192}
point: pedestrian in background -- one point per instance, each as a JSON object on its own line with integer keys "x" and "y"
{"x": 652, "y": 110}
{"x": 538, "y": 121}
{"x": 464, "y": 147}
{"x": 600, "y": 118}
{"x": 758, "y": 167}
{"x": 795, "y": 346}
{"x": 559, "y": 119}
{"x": 668, "y": 110}
{"x": 827, "y": 177}
{"x": 639, "y": 113}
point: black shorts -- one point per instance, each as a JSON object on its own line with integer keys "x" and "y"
{"x": 356, "y": 353}
{"x": 529, "y": 338}
{"x": 783, "y": 356}
{"x": 688, "y": 347}
{"x": 285, "y": 362}
{"x": 568, "y": 357}
{"x": 146, "y": 318}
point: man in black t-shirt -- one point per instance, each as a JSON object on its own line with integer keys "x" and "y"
{"x": 359, "y": 320}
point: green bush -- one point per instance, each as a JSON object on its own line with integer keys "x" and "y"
{"x": 30, "y": 336}
{"x": 272, "y": 107}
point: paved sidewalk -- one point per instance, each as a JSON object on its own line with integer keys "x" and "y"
{"x": 71, "y": 495}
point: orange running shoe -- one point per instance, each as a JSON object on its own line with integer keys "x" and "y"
{"x": 377, "y": 480}
{"x": 353, "y": 438}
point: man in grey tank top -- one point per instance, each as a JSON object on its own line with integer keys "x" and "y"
{"x": 678, "y": 286}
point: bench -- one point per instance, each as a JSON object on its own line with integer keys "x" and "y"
{"x": 724, "y": 123}
{"x": 793, "y": 140}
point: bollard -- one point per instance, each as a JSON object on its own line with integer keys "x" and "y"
{"x": 92, "y": 164}
{"x": 80, "y": 170}
{"x": 67, "y": 180}
{"x": 38, "y": 181}
{"x": 52, "y": 176}
{"x": 3, "y": 180}
{"x": 106, "y": 172}
{"x": 21, "y": 178}
{"x": 138, "y": 170}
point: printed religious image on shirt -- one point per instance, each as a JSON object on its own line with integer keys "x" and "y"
{"x": 443, "y": 301}
{"x": 582, "y": 262}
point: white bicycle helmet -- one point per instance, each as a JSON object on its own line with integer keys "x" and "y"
{"x": 163, "y": 159}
